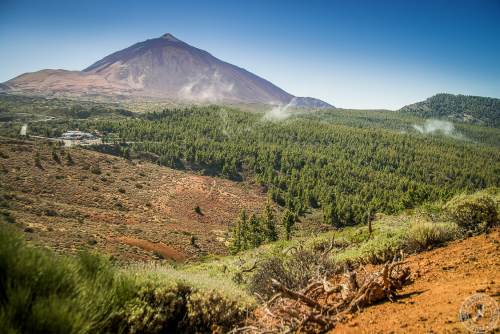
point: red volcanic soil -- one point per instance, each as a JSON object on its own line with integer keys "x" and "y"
{"x": 443, "y": 279}
{"x": 127, "y": 209}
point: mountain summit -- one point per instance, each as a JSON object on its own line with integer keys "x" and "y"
{"x": 170, "y": 37}
{"x": 163, "y": 68}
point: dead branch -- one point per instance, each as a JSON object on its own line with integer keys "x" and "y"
{"x": 320, "y": 305}
{"x": 295, "y": 295}
{"x": 252, "y": 268}
{"x": 330, "y": 248}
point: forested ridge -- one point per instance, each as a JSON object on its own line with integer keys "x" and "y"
{"x": 344, "y": 166}
{"x": 464, "y": 108}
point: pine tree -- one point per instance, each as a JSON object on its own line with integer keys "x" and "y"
{"x": 238, "y": 242}
{"x": 288, "y": 221}
{"x": 269, "y": 223}
{"x": 331, "y": 216}
{"x": 255, "y": 236}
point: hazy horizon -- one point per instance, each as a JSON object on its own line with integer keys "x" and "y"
{"x": 366, "y": 55}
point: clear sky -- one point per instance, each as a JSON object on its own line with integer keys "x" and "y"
{"x": 360, "y": 54}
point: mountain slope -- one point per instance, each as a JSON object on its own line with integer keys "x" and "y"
{"x": 463, "y": 108}
{"x": 129, "y": 210}
{"x": 165, "y": 68}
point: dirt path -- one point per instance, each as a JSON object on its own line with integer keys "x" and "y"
{"x": 444, "y": 278}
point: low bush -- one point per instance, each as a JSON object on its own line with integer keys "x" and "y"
{"x": 475, "y": 213}
{"x": 210, "y": 311}
{"x": 294, "y": 271}
{"x": 95, "y": 169}
{"x": 423, "y": 235}
{"x": 56, "y": 157}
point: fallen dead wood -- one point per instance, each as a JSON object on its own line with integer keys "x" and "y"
{"x": 295, "y": 295}
{"x": 320, "y": 305}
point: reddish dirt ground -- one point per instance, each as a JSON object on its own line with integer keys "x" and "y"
{"x": 158, "y": 247}
{"x": 68, "y": 207}
{"x": 443, "y": 279}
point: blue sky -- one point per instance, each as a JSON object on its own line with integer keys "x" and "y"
{"x": 360, "y": 54}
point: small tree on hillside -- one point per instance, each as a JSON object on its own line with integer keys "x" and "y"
{"x": 38, "y": 161}
{"x": 255, "y": 232}
{"x": 238, "y": 242}
{"x": 69, "y": 159}
{"x": 55, "y": 156}
{"x": 269, "y": 223}
{"x": 331, "y": 216}
{"x": 288, "y": 221}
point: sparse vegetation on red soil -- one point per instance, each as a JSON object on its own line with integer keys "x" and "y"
{"x": 428, "y": 302}
{"x": 443, "y": 279}
{"x": 71, "y": 206}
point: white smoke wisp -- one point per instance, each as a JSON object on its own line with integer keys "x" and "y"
{"x": 432, "y": 126}
{"x": 209, "y": 87}
{"x": 280, "y": 112}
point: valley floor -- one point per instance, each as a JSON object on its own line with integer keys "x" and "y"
{"x": 444, "y": 279}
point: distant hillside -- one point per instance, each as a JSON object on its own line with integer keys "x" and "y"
{"x": 164, "y": 68}
{"x": 462, "y": 108}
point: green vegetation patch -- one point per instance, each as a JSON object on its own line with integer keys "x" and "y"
{"x": 44, "y": 293}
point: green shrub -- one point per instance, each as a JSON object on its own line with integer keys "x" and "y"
{"x": 477, "y": 212}
{"x": 424, "y": 235}
{"x": 209, "y": 311}
{"x": 36, "y": 290}
{"x": 95, "y": 169}
{"x": 155, "y": 309}
{"x": 38, "y": 161}
{"x": 69, "y": 159}
{"x": 44, "y": 293}
{"x": 56, "y": 157}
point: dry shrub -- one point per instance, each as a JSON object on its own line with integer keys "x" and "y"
{"x": 476, "y": 213}
{"x": 209, "y": 311}
{"x": 179, "y": 308}
{"x": 319, "y": 306}
{"x": 295, "y": 271}
{"x": 155, "y": 309}
{"x": 424, "y": 235}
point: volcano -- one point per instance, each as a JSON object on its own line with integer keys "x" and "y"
{"x": 161, "y": 68}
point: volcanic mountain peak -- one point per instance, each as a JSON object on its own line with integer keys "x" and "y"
{"x": 164, "y": 68}
{"x": 169, "y": 37}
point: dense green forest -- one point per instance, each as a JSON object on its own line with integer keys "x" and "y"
{"x": 463, "y": 108}
{"x": 349, "y": 164}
